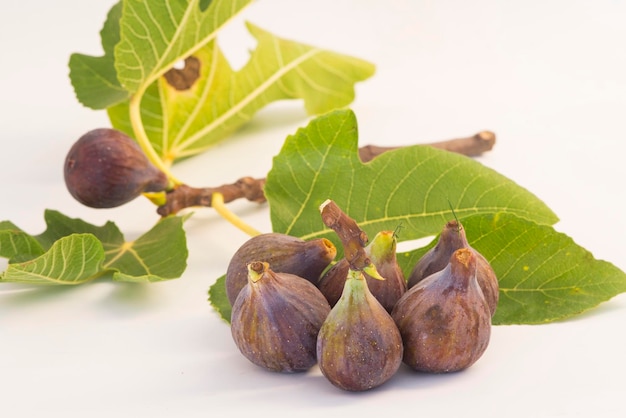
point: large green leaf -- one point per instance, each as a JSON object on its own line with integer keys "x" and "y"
{"x": 141, "y": 41}
{"x": 181, "y": 122}
{"x": 72, "y": 251}
{"x": 156, "y": 34}
{"x": 413, "y": 187}
{"x": 544, "y": 275}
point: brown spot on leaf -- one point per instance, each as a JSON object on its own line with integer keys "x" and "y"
{"x": 183, "y": 79}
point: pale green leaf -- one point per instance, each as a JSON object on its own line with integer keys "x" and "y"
{"x": 16, "y": 245}
{"x": 184, "y": 122}
{"x": 72, "y": 251}
{"x": 160, "y": 254}
{"x": 73, "y": 259}
{"x": 156, "y": 34}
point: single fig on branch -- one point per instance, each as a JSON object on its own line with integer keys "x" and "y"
{"x": 444, "y": 320}
{"x": 359, "y": 346}
{"x": 105, "y": 168}
{"x": 452, "y": 238}
{"x": 284, "y": 253}
{"x": 276, "y": 318}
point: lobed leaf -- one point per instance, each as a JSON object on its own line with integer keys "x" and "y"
{"x": 73, "y": 259}
{"x": 16, "y": 245}
{"x": 412, "y": 187}
{"x": 94, "y": 78}
{"x": 190, "y": 109}
{"x": 159, "y": 254}
{"x": 72, "y": 251}
{"x": 156, "y": 34}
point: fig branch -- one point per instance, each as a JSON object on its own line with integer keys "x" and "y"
{"x": 184, "y": 196}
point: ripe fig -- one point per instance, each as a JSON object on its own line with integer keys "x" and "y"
{"x": 276, "y": 318}
{"x": 382, "y": 253}
{"x": 452, "y": 238}
{"x": 359, "y": 346}
{"x": 105, "y": 168}
{"x": 284, "y": 253}
{"x": 444, "y": 320}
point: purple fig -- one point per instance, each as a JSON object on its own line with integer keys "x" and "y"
{"x": 284, "y": 253}
{"x": 359, "y": 346}
{"x": 276, "y": 318}
{"x": 444, "y": 320}
{"x": 382, "y": 253}
{"x": 105, "y": 168}
{"x": 452, "y": 238}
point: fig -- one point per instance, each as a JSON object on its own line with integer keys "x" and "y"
{"x": 452, "y": 238}
{"x": 382, "y": 253}
{"x": 105, "y": 168}
{"x": 276, "y": 318}
{"x": 284, "y": 253}
{"x": 444, "y": 320}
{"x": 359, "y": 346}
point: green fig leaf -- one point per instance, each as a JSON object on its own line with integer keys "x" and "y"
{"x": 159, "y": 254}
{"x": 219, "y": 299}
{"x": 156, "y": 34}
{"x": 16, "y": 245}
{"x": 414, "y": 187}
{"x": 94, "y": 78}
{"x": 544, "y": 275}
{"x": 188, "y": 110}
{"x": 73, "y": 259}
{"x": 72, "y": 251}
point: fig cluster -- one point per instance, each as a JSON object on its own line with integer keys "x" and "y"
{"x": 294, "y": 306}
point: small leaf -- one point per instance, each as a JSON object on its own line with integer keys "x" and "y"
{"x": 160, "y": 254}
{"x": 59, "y": 225}
{"x": 16, "y": 245}
{"x": 219, "y": 300}
{"x": 94, "y": 78}
{"x": 411, "y": 186}
{"x": 73, "y": 259}
{"x": 544, "y": 275}
{"x": 210, "y": 101}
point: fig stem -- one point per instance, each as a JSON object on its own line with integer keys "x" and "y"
{"x": 142, "y": 138}
{"x": 353, "y": 238}
{"x": 217, "y": 202}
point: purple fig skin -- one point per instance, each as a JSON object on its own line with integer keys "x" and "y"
{"x": 284, "y": 253}
{"x": 382, "y": 252}
{"x": 451, "y": 239}
{"x": 359, "y": 346}
{"x": 444, "y": 320}
{"x": 105, "y": 168}
{"x": 276, "y": 318}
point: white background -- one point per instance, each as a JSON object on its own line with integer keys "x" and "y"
{"x": 548, "y": 77}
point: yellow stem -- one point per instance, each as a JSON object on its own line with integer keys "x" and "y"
{"x": 217, "y": 202}
{"x": 142, "y": 138}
